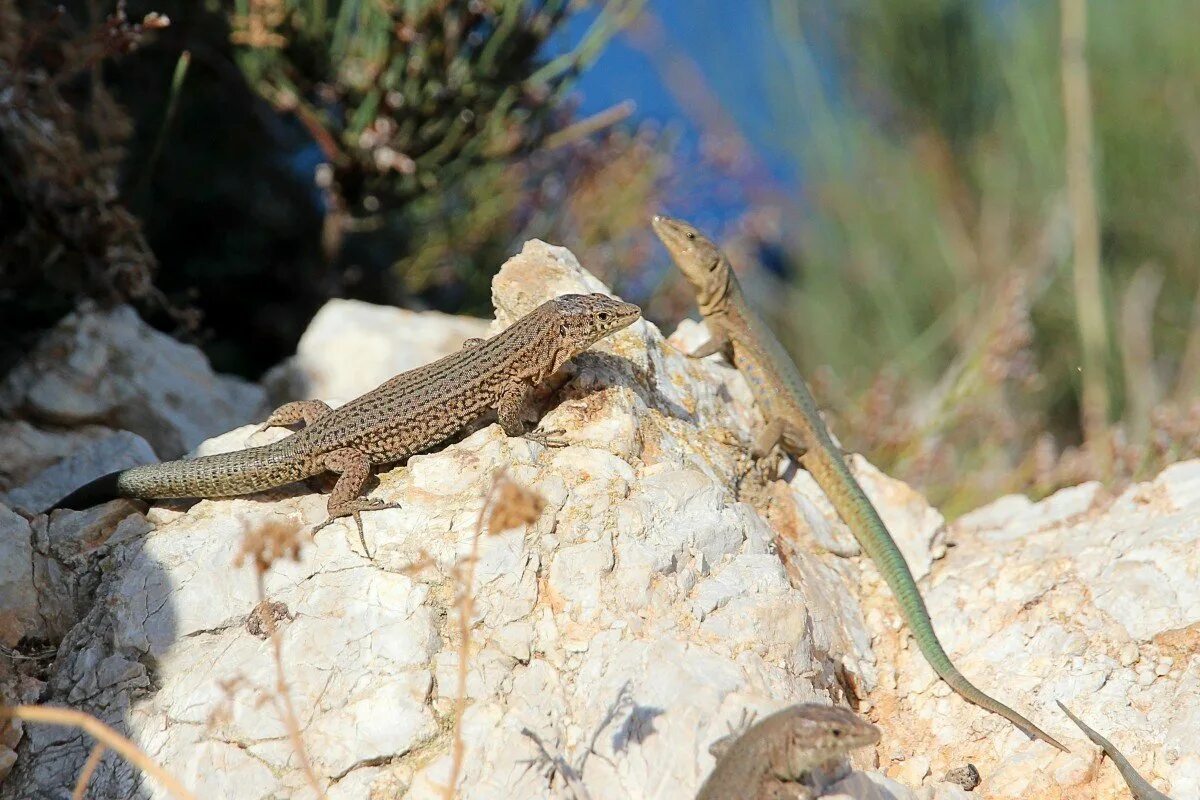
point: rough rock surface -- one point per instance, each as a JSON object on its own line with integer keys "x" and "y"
{"x": 110, "y": 368}
{"x": 626, "y": 628}
{"x": 26, "y": 450}
{"x": 117, "y": 450}
{"x": 350, "y": 347}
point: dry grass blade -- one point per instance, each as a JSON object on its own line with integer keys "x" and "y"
{"x": 506, "y": 505}
{"x": 89, "y": 768}
{"x": 70, "y": 718}
{"x": 1081, "y": 194}
{"x": 261, "y": 547}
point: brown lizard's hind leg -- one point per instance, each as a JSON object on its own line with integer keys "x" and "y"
{"x": 510, "y": 412}
{"x": 346, "y": 499}
{"x": 306, "y": 411}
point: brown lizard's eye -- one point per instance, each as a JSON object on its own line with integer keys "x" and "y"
{"x": 603, "y": 316}
{"x": 836, "y": 731}
{"x": 690, "y": 235}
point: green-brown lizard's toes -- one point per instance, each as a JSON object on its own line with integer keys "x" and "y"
{"x": 550, "y": 438}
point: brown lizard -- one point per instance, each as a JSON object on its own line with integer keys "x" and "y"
{"x": 794, "y": 422}
{"x": 410, "y": 413}
{"x": 785, "y": 755}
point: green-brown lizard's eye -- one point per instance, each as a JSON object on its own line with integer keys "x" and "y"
{"x": 603, "y": 316}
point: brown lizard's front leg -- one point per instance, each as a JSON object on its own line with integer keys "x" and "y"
{"x": 345, "y": 500}
{"x": 510, "y": 412}
{"x": 306, "y": 411}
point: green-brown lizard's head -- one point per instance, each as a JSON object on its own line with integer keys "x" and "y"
{"x": 584, "y": 318}
{"x": 694, "y": 253}
{"x": 700, "y": 260}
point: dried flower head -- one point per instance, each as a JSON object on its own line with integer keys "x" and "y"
{"x": 274, "y": 539}
{"x": 513, "y": 505}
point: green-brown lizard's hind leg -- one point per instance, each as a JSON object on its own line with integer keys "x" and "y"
{"x": 763, "y": 454}
{"x": 306, "y": 411}
{"x": 346, "y": 498}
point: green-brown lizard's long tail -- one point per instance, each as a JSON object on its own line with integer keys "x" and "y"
{"x": 835, "y": 479}
{"x": 221, "y": 475}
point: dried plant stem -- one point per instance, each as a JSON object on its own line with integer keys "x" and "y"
{"x": 466, "y": 610}
{"x": 1136, "y": 339}
{"x": 1081, "y": 194}
{"x": 70, "y": 718}
{"x": 586, "y": 127}
{"x": 89, "y": 768}
{"x": 1187, "y": 384}
{"x": 283, "y": 697}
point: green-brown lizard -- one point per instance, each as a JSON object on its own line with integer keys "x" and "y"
{"x": 792, "y": 420}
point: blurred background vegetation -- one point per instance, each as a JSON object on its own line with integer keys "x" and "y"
{"x": 947, "y": 208}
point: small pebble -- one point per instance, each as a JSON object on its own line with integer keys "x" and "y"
{"x": 965, "y": 776}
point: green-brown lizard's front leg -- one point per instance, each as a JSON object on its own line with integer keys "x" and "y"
{"x": 345, "y": 500}
{"x": 717, "y": 343}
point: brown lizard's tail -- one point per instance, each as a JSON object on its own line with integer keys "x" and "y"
{"x": 223, "y": 475}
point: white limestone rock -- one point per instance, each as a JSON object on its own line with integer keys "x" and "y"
{"x": 18, "y": 597}
{"x": 110, "y": 368}
{"x": 92, "y": 459}
{"x": 629, "y": 625}
{"x": 26, "y": 450}
{"x": 350, "y": 347}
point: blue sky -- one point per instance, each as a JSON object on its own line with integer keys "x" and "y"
{"x": 735, "y": 61}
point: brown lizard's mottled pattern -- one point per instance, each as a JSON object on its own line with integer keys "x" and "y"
{"x": 408, "y": 414}
{"x": 794, "y": 422}
{"x": 780, "y": 757}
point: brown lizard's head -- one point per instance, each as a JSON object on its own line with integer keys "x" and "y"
{"x": 585, "y": 318}
{"x": 694, "y": 253}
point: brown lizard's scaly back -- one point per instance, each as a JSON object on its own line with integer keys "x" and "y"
{"x": 420, "y": 408}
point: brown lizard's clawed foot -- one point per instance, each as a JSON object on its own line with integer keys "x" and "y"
{"x": 548, "y": 438}
{"x": 355, "y": 510}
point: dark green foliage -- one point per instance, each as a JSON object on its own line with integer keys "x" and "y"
{"x": 63, "y": 231}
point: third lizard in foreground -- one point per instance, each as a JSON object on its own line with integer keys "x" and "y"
{"x": 792, "y": 420}
{"x": 791, "y": 754}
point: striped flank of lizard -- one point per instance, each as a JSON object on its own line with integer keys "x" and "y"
{"x": 792, "y": 420}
